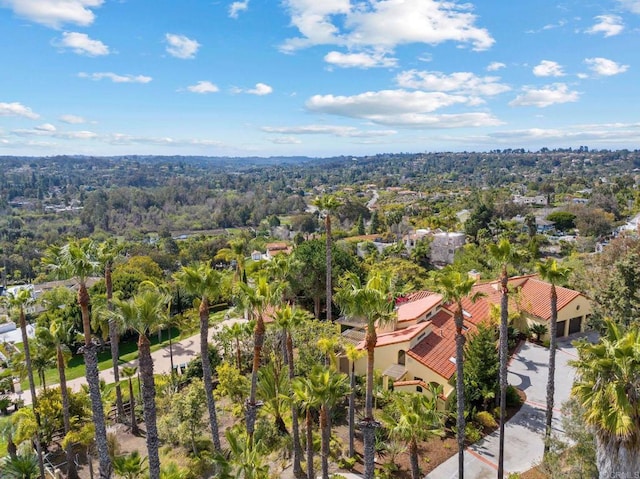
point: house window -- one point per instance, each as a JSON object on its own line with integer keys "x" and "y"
{"x": 402, "y": 357}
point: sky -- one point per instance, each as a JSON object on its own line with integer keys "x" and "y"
{"x": 316, "y": 77}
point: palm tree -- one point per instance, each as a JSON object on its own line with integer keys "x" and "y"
{"x": 328, "y": 387}
{"x": 273, "y": 390}
{"x": 287, "y": 319}
{"x": 78, "y": 259}
{"x": 503, "y": 253}
{"x": 107, "y": 253}
{"x": 305, "y": 398}
{"x": 43, "y": 358}
{"x": 235, "y": 252}
{"x": 57, "y": 335}
{"x": 553, "y": 273}
{"x": 415, "y": 417}
{"x": 257, "y": 298}
{"x": 18, "y": 301}
{"x": 454, "y": 287}
{"x": 607, "y": 387}
{"x": 23, "y": 466}
{"x": 144, "y": 314}
{"x": 353, "y": 354}
{"x": 131, "y": 466}
{"x": 129, "y": 372}
{"x": 7, "y": 430}
{"x": 328, "y": 204}
{"x": 205, "y": 282}
{"x": 374, "y": 301}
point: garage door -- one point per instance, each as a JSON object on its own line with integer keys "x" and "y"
{"x": 560, "y": 331}
{"x": 574, "y": 325}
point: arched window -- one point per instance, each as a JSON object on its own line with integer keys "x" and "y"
{"x": 401, "y": 357}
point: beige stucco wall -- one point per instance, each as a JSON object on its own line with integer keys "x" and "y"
{"x": 579, "y": 307}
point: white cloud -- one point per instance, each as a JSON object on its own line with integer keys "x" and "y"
{"x": 81, "y": 44}
{"x": 203, "y": 87}
{"x": 631, "y": 5}
{"x": 55, "y": 13}
{"x": 605, "y": 67}
{"x": 547, "y": 68}
{"x": 17, "y": 109}
{"x": 285, "y": 140}
{"x": 341, "y": 131}
{"x": 459, "y": 82}
{"x": 401, "y": 108}
{"x": 260, "y": 89}
{"x": 181, "y": 46}
{"x": 609, "y": 25}
{"x": 383, "y": 24}
{"x": 48, "y": 127}
{"x": 114, "y": 77}
{"x": 236, "y": 7}
{"x": 360, "y": 60}
{"x": 495, "y": 66}
{"x": 545, "y": 96}
{"x": 72, "y": 119}
{"x": 610, "y": 133}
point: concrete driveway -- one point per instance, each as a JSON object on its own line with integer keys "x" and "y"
{"x": 524, "y": 433}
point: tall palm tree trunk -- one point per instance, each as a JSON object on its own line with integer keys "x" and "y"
{"x": 325, "y": 437}
{"x": 93, "y": 380}
{"x": 207, "y": 374}
{"x": 504, "y": 353}
{"x": 257, "y": 352}
{"x": 413, "y": 456}
{"x": 72, "y": 472}
{"x": 32, "y": 388}
{"x": 327, "y": 222}
{"x": 309, "y": 431}
{"x": 352, "y": 409}
{"x": 369, "y": 424}
{"x": 149, "y": 405}
{"x": 553, "y": 340}
{"x": 295, "y": 427}
{"x": 460, "y": 339}
{"x": 132, "y": 404}
{"x": 113, "y": 342}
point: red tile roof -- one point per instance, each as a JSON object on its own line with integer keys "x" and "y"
{"x": 412, "y": 310}
{"x": 437, "y": 348}
{"x": 399, "y": 335}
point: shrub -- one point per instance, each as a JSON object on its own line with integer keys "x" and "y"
{"x": 513, "y": 399}
{"x": 472, "y": 433}
{"x": 486, "y": 420}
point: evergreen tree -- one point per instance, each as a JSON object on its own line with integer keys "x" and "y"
{"x": 481, "y": 367}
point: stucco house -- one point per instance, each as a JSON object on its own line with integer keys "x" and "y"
{"x": 418, "y": 348}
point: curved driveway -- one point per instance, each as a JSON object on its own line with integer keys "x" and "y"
{"x": 524, "y": 433}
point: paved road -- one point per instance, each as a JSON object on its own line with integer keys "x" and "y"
{"x": 524, "y": 433}
{"x": 183, "y": 352}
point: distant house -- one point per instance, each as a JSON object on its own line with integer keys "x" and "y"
{"x": 274, "y": 249}
{"x": 418, "y": 348}
{"x": 444, "y": 247}
{"x": 539, "y": 200}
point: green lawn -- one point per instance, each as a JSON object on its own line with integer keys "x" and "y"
{"x": 128, "y": 352}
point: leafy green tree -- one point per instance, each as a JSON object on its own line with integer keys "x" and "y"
{"x": 206, "y": 283}
{"x": 414, "y": 417}
{"x": 308, "y": 402}
{"x": 374, "y": 226}
{"x": 78, "y": 259}
{"x": 353, "y": 354}
{"x": 554, "y": 273}
{"x": 232, "y": 383}
{"x": 564, "y": 220}
{"x": 619, "y": 297}
{"x": 607, "y": 387}
{"x": 360, "y": 226}
{"x": 372, "y": 301}
{"x": 454, "y": 287}
{"x": 7, "y": 430}
{"x": 184, "y": 420}
{"x": 481, "y": 367}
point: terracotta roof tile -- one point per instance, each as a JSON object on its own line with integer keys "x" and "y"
{"x": 412, "y": 310}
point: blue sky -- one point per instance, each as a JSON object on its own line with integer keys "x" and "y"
{"x": 316, "y": 77}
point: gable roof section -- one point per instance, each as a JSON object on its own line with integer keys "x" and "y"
{"x": 436, "y": 350}
{"x": 399, "y": 335}
{"x": 412, "y": 310}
